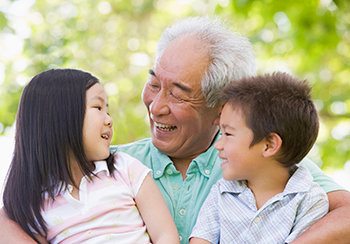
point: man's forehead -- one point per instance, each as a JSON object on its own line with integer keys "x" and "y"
{"x": 190, "y": 73}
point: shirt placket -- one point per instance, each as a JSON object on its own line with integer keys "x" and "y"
{"x": 185, "y": 204}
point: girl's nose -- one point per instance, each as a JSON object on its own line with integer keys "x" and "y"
{"x": 109, "y": 121}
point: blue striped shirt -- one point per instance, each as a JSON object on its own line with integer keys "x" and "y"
{"x": 230, "y": 215}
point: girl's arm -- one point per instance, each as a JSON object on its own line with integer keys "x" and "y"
{"x": 155, "y": 213}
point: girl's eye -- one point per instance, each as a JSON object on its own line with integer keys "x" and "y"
{"x": 98, "y": 107}
{"x": 227, "y": 134}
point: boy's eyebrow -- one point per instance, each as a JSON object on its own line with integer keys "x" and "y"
{"x": 224, "y": 126}
{"x": 182, "y": 87}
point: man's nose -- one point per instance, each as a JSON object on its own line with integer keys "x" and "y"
{"x": 160, "y": 104}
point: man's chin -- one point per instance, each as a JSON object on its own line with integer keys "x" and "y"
{"x": 159, "y": 143}
{"x": 162, "y": 145}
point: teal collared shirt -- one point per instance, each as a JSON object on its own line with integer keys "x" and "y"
{"x": 185, "y": 197}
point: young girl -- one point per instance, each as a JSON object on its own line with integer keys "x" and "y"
{"x": 64, "y": 185}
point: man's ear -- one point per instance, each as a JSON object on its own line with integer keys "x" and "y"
{"x": 273, "y": 143}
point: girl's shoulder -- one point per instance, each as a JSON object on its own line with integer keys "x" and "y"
{"x": 130, "y": 170}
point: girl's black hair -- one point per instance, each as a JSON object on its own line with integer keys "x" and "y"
{"x": 49, "y": 128}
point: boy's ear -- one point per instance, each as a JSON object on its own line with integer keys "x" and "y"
{"x": 273, "y": 143}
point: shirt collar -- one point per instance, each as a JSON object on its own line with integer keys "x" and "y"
{"x": 300, "y": 181}
{"x": 159, "y": 162}
{"x": 100, "y": 166}
{"x": 204, "y": 162}
{"x": 237, "y": 187}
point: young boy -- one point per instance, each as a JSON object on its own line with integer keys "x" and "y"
{"x": 268, "y": 125}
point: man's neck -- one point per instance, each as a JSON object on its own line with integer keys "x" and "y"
{"x": 182, "y": 164}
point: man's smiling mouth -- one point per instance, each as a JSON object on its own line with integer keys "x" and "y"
{"x": 165, "y": 127}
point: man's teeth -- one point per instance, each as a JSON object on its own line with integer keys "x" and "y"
{"x": 105, "y": 136}
{"x": 165, "y": 127}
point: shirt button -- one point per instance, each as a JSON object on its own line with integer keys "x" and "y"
{"x": 180, "y": 237}
{"x": 169, "y": 171}
{"x": 176, "y": 187}
{"x": 207, "y": 171}
{"x": 158, "y": 172}
{"x": 257, "y": 220}
{"x": 182, "y": 212}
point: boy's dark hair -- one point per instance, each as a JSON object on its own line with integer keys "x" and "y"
{"x": 49, "y": 128}
{"x": 280, "y": 104}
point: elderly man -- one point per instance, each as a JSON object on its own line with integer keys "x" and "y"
{"x": 195, "y": 59}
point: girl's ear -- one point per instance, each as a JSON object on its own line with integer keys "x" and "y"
{"x": 273, "y": 143}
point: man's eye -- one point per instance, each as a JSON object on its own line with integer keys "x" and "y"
{"x": 154, "y": 87}
{"x": 177, "y": 98}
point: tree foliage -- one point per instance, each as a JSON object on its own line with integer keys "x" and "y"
{"x": 115, "y": 40}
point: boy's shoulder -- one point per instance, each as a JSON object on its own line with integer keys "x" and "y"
{"x": 303, "y": 189}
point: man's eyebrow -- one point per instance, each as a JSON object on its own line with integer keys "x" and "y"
{"x": 151, "y": 72}
{"x": 182, "y": 87}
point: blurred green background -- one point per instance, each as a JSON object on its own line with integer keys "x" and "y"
{"x": 116, "y": 40}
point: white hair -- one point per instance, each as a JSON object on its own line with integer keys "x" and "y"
{"x": 231, "y": 55}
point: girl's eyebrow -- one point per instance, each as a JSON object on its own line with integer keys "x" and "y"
{"x": 99, "y": 98}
